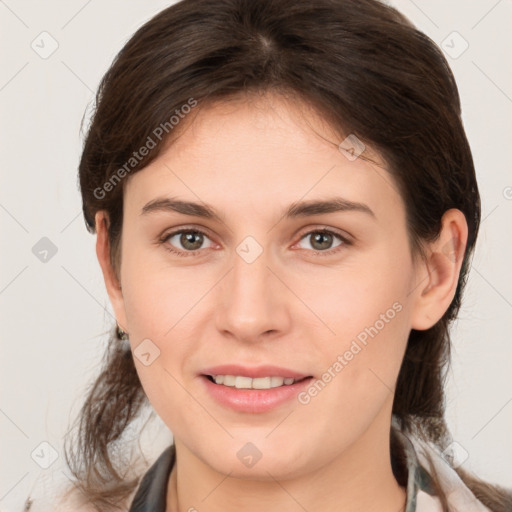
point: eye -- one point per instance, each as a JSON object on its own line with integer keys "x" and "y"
{"x": 190, "y": 240}
{"x": 322, "y": 240}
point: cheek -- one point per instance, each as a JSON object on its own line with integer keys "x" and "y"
{"x": 157, "y": 296}
{"x": 158, "y": 304}
{"x": 367, "y": 311}
{"x": 364, "y": 305}
{"x": 357, "y": 311}
{"x": 360, "y": 366}
{"x": 365, "y": 296}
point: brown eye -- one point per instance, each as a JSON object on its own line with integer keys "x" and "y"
{"x": 322, "y": 241}
{"x": 191, "y": 240}
{"x": 185, "y": 241}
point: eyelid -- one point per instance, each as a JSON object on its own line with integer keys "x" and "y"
{"x": 162, "y": 239}
{"x": 319, "y": 228}
{"x": 345, "y": 238}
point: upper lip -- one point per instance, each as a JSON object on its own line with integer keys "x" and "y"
{"x": 254, "y": 372}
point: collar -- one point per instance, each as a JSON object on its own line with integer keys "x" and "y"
{"x": 422, "y": 454}
{"x": 152, "y": 491}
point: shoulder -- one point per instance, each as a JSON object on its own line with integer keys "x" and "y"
{"x": 427, "y": 503}
{"x": 68, "y": 499}
{"x": 433, "y": 462}
{"x": 52, "y": 490}
{"x": 68, "y": 504}
{"x": 57, "y": 504}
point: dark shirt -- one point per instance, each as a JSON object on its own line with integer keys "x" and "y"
{"x": 152, "y": 492}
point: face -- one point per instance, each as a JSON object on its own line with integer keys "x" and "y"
{"x": 318, "y": 293}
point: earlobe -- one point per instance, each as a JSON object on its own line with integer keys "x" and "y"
{"x": 439, "y": 272}
{"x": 112, "y": 283}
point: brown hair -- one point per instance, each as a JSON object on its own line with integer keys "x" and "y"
{"x": 369, "y": 72}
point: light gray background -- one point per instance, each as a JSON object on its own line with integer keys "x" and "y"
{"x": 54, "y": 314}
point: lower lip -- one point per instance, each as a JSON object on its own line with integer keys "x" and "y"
{"x": 254, "y": 400}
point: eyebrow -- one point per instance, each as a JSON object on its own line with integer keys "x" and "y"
{"x": 294, "y": 210}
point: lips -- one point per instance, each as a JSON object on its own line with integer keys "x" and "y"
{"x": 254, "y": 401}
{"x": 255, "y": 372}
{"x": 258, "y": 397}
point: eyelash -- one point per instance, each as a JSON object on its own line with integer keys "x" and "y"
{"x": 168, "y": 247}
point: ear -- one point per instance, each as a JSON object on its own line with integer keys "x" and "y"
{"x": 438, "y": 274}
{"x": 112, "y": 283}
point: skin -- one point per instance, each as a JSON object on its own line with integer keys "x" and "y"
{"x": 292, "y": 307}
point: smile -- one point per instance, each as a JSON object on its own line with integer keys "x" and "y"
{"x": 242, "y": 382}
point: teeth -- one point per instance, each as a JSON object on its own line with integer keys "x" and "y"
{"x": 241, "y": 382}
{"x": 229, "y": 380}
{"x": 262, "y": 383}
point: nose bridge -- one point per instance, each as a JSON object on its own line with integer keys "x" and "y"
{"x": 250, "y": 277}
{"x": 252, "y": 303}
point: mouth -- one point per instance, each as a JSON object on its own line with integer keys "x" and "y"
{"x": 250, "y": 389}
{"x": 256, "y": 383}
{"x": 254, "y": 395}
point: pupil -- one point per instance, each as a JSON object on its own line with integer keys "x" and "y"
{"x": 322, "y": 239}
{"x": 319, "y": 236}
{"x": 187, "y": 238}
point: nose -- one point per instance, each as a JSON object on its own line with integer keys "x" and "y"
{"x": 253, "y": 302}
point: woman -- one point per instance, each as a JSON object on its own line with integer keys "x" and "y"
{"x": 285, "y": 206}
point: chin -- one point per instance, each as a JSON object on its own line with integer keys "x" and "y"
{"x": 252, "y": 463}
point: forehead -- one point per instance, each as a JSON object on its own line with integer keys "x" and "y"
{"x": 253, "y": 152}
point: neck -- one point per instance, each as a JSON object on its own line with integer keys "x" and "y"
{"x": 358, "y": 479}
